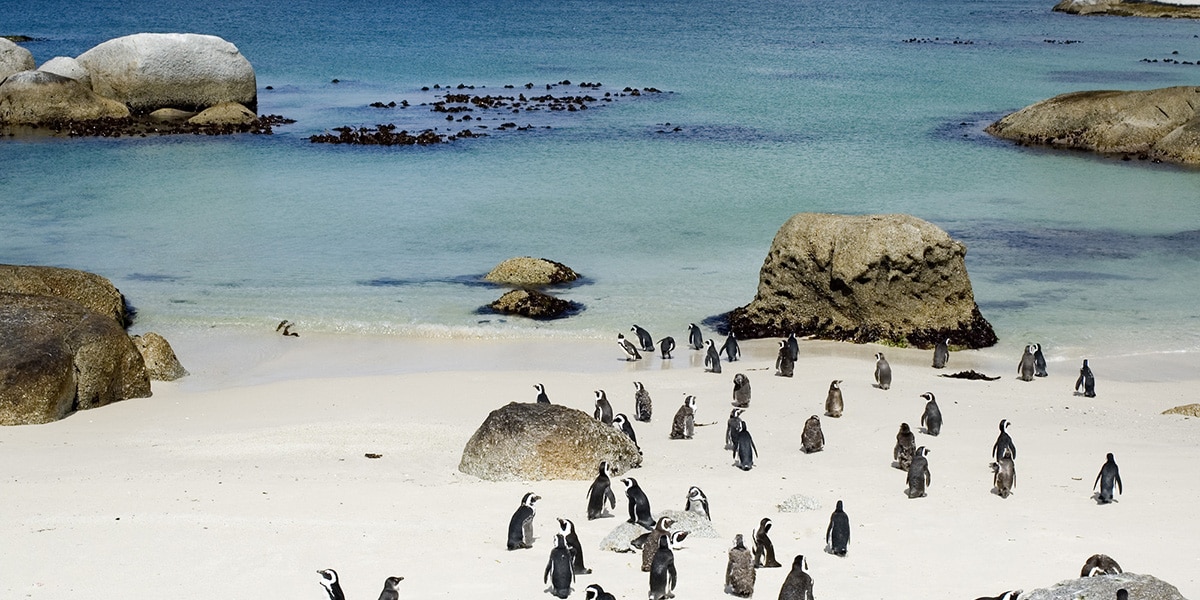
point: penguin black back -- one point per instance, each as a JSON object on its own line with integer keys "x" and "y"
{"x": 542, "y": 398}
{"x": 764, "y": 549}
{"x": 798, "y": 585}
{"x": 941, "y": 354}
{"x": 1086, "y": 380}
{"x": 666, "y": 346}
{"x": 785, "y": 365}
{"x": 1004, "y": 443}
{"x": 932, "y": 417}
{"x": 837, "y": 536}
{"x": 712, "y": 358}
{"x": 520, "y": 527}
{"x": 695, "y": 339}
{"x": 1039, "y": 362}
{"x": 663, "y": 576}
{"x": 730, "y": 348}
{"x": 559, "y": 573}
{"x": 1109, "y": 475}
{"x": 600, "y": 493}
{"x": 644, "y": 338}
{"x": 744, "y": 450}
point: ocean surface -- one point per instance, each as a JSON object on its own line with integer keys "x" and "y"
{"x": 666, "y": 202}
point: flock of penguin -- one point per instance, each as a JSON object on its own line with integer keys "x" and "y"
{"x": 657, "y": 545}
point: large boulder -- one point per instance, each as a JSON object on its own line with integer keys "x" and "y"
{"x": 1103, "y": 587}
{"x": 89, "y": 289}
{"x": 59, "y": 357}
{"x": 530, "y": 441}
{"x": 67, "y": 67}
{"x": 1112, "y": 122}
{"x": 1128, "y": 8}
{"x": 533, "y": 304}
{"x": 188, "y": 71}
{"x": 529, "y": 271}
{"x": 161, "y": 362}
{"x": 14, "y": 59}
{"x": 32, "y": 97}
{"x": 871, "y": 278}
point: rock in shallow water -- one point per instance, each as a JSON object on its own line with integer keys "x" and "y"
{"x": 529, "y": 271}
{"x": 533, "y": 304}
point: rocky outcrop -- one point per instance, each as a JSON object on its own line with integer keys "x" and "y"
{"x": 1159, "y": 124}
{"x": 32, "y": 97}
{"x": 529, "y": 271}
{"x": 58, "y": 357}
{"x": 1187, "y": 410}
{"x": 530, "y": 441}
{"x": 533, "y": 304}
{"x": 1127, "y": 8}
{"x": 1142, "y": 587}
{"x": 148, "y": 71}
{"x": 160, "y": 360}
{"x": 872, "y": 278}
{"x": 14, "y": 59}
{"x": 225, "y": 113}
{"x": 67, "y": 67}
{"x": 88, "y": 289}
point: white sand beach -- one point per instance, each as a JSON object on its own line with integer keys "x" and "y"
{"x": 245, "y": 478}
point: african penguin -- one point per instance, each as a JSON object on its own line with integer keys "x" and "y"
{"x": 883, "y": 372}
{"x": 837, "y": 536}
{"x": 733, "y": 427}
{"x": 697, "y": 502}
{"x": 559, "y": 573}
{"x": 798, "y": 585}
{"x": 932, "y": 417}
{"x": 785, "y": 365}
{"x": 566, "y": 528}
{"x": 906, "y": 447}
{"x": 1122, "y": 594}
{"x": 743, "y": 449}
{"x": 812, "y": 439}
{"x": 520, "y": 527}
{"x": 1086, "y": 380}
{"x": 1004, "y": 443}
{"x": 542, "y": 398}
{"x": 1108, "y": 475}
{"x": 662, "y": 529}
{"x": 1039, "y": 361}
{"x": 941, "y": 354}
{"x": 1100, "y": 564}
{"x": 604, "y": 411}
{"x": 695, "y": 340}
{"x": 739, "y": 571}
{"x": 730, "y": 348}
{"x": 621, "y": 423}
{"x": 599, "y": 493}
{"x": 389, "y": 589}
{"x": 639, "y": 504}
{"x": 666, "y": 346}
{"x": 793, "y": 347}
{"x": 764, "y": 550}
{"x": 1009, "y": 595}
{"x": 1025, "y": 368}
{"x": 741, "y": 391}
{"x": 644, "y": 338}
{"x": 1004, "y": 475}
{"x": 329, "y": 580}
{"x": 712, "y": 358}
{"x": 595, "y": 592}
{"x": 918, "y": 474}
{"x": 642, "y": 406}
{"x": 683, "y": 426}
{"x": 677, "y": 538}
{"x": 662, "y": 571}
{"x": 631, "y": 351}
{"x": 833, "y": 400}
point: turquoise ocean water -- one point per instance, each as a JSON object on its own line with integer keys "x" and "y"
{"x": 781, "y": 107}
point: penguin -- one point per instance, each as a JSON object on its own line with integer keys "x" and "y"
{"x": 941, "y": 354}
{"x": 1004, "y": 443}
{"x": 329, "y": 580}
{"x": 730, "y": 348}
{"x": 1039, "y": 361}
{"x": 520, "y": 527}
{"x": 1025, "y": 368}
{"x": 883, "y": 372}
{"x": 677, "y": 538}
{"x": 1122, "y": 594}
{"x": 666, "y": 346}
{"x": 785, "y": 365}
{"x": 642, "y": 406}
{"x": 595, "y": 592}
{"x": 743, "y": 449}
{"x": 733, "y": 427}
{"x": 932, "y": 417}
{"x": 542, "y": 398}
{"x": 604, "y": 411}
{"x": 906, "y": 447}
{"x": 739, "y": 571}
{"x": 631, "y": 351}
{"x": 793, "y": 346}
{"x": 599, "y": 493}
{"x": 695, "y": 340}
{"x": 712, "y": 359}
{"x": 389, "y": 589}
{"x": 1009, "y": 595}
{"x": 559, "y": 573}
{"x": 639, "y": 504}
{"x": 1100, "y": 564}
{"x": 764, "y": 550}
{"x": 741, "y": 391}
{"x": 1004, "y": 474}
{"x": 650, "y": 545}
{"x": 287, "y": 329}
{"x": 697, "y": 502}
{"x": 1108, "y": 474}
{"x": 837, "y": 536}
{"x": 621, "y": 423}
{"x": 833, "y": 400}
{"x": 918, "y": 474}
{"x": 1086, "y": 380}
{"x": 812, "y": 439}
{"x": 683, "y": 426}
{"x": 798, "y": 585}
{"x": 644, "y": 338}
{"x": 566, "y": 528}
{"x": 662, "y": 571}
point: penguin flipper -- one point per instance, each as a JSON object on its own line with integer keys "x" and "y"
{"x": 610, "y": 497}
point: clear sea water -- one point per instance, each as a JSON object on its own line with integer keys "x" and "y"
{"x": 781, "y": 107}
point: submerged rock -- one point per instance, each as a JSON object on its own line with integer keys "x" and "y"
{"x": 533, "y": 304}
{"x": 529, "y": 271}
{"x": 225, "y": 113}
